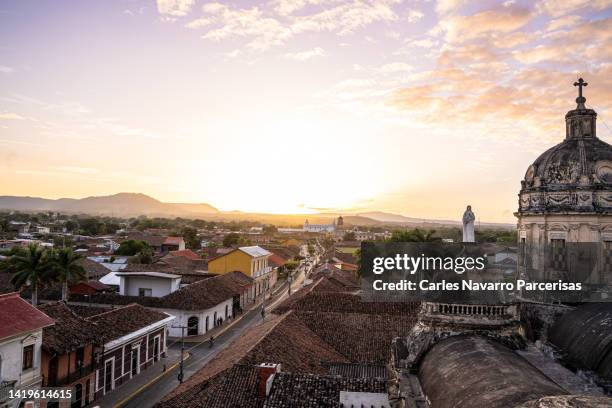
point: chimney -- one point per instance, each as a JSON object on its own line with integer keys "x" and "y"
{"x": 265, "y": 374}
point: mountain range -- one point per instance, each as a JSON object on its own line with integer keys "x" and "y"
{"x": 122, "y": 204}
{"x": 136, "y": 204}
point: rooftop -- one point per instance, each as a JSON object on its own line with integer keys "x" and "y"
{"x": 200, "y": 295}
{"x": 307, "y": 390}
{"x": 151, "y": 274}
{"x": 117, "y": 323}
{"x": 69, "y": 332}
{"x": 254, "y": 251}
{"x": 186, "y": 253}
{"x": 173, "y": 240}
{"x": 18, "y": 316}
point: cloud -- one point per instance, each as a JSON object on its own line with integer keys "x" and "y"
{"x": 558, "y": 8}
{"x": 10, "y": 116}
{"x": 306, "y": 55}
{"x": 563, "y": 22}
{"x": 6, "y": 70}
{"x": 395, "y": 67}
{"x": 587, "y": 43}
{"x": 414, "y": 16}
{"x": 199, "y": 23}
{"x": 448, "y": 6}
{"x": 346, "y": 18}
{"x": 265, "y": 27}
{"x": 497, "y": 20}
{"x": 263, "y": 31}
{"x": 175, "y": 8}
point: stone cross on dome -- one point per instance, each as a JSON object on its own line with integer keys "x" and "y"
{"x": 580, "y": 100}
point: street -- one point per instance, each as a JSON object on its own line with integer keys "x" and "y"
{"x": 201, "y": 353}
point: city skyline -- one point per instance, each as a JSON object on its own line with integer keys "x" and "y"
{"x": 416, "y": 108}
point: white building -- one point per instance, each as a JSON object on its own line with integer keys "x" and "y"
{"x": 201, "y": 306}
{"x": 319, "y": 228}
{"x": 21, "y": 327}
{"x": 147, "y": 284}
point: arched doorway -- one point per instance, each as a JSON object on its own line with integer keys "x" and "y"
{"x": 192, "y": 326}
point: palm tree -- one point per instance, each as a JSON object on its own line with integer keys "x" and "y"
{"x": 31, "y": 267}
{"x": 66, "y": 269}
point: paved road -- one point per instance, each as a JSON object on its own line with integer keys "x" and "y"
{"x": 201, "y": 353}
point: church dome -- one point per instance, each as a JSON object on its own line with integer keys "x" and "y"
{"x": 576, "y": 174}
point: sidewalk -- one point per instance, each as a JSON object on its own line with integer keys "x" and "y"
{"x": 121, "y": 394}
{"x": 272, "y": 300}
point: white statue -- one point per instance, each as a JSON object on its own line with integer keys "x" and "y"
{"x": 468, "y": 225}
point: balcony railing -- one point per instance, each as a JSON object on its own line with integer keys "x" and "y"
{"x": 5, "y": 388}
{"x": 488, "y": 311}
{"x": 70, "y": 378}
{"x": 262, "y": 271}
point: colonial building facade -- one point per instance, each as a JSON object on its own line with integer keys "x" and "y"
{"x": 565, "y": 205}
{"x": 566, "y": 193}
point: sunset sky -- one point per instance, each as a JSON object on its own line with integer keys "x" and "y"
{"x": 284, "y": 106}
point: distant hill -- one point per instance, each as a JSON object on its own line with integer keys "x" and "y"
{"x": 135, "y": 204}
{"x": 122, "y": 204}
{"x": 391, "y": 218}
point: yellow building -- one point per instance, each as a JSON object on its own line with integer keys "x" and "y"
{"x": 252, "y": 261}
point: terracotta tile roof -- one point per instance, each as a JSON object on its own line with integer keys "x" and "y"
{"x": 236, "y": 386}
{"x": 286, "y": 253}
{"x": 358, "y": 337}
{"x": 186, "y": 253}
{"x": 120, "y": 322}
{"x": 94, "y": 284}
{"x": 309, "y": 299}
{"x": 18, "y": 316}
{"x": 200, "y": 295}
{"x": 329, "y": 285}
{"x": 187, "y": 392}
{"x": 357, "y": 370}
{"x": 276, "y": 261}
{"x": 308, "y": 345}
{"x": 88, "y": 311}
{"x": 173, "y": 241}
{"x": 207, "y": 293}
{"x": 307, "y": 390}
{"x": 346, "y": 257}
{"x": 190, "y": 270}
{"x": 154, "y": 241}
{"x": 184, "y": 264}
{"x": 292, "y": 344}
{"x": 69, "y": 332}
{"x": 94, "y": 269}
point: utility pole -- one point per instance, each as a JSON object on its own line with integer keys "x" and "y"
{"x": 180, "y": 374}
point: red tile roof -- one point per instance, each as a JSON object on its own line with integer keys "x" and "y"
{"x": 117, "y": 323}
{"x": 275, "y": 260}
{"x": 173, "y": 240}
{"x": 186, "y": 253}
{"x": 18, "y": 316}
{"x": 94, "y": 284}
{"x": 69, "y": 332}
